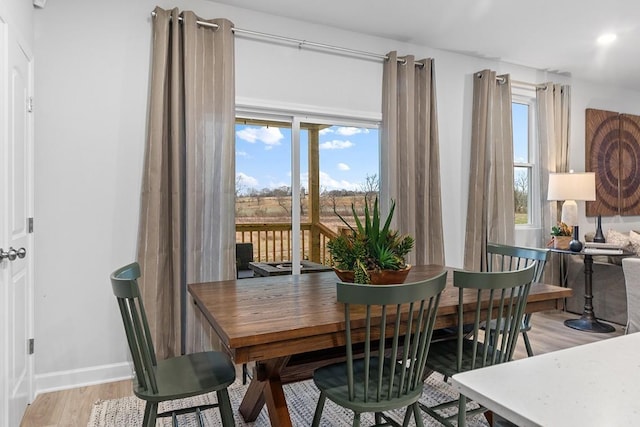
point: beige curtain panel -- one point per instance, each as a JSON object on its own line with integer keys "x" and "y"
{"x": 187, "y": 224}
{"x": 553, "y": 101}
{"x": 410, "y": 154}
{"x": 491, "y": 206}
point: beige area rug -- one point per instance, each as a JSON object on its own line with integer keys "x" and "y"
{"x": 301, "y": 399}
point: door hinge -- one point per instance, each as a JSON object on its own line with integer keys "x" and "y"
{"x": 30, "y": 345}
{"x": 30, "y": 225}
{"x": 30, "y": 104}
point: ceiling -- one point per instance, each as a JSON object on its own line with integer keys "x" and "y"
{"x": 558, "y": 36}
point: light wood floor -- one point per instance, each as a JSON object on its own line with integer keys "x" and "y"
{"x": 73, "y": 407}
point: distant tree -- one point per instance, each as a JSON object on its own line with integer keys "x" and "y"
{"x": 371, "y": 185}
{"x": 240, "y": 187}
{"x": 521, "y": 192}
{"x": 283, "y": 197}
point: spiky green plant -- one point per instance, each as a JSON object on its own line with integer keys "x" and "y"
{"x": 368, "y": 246}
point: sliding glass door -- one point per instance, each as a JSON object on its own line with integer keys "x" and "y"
{"x": 292, "y": 175}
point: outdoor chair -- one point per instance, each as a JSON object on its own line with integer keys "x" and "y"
{"x": 390, "y": 375}
{"x": 174, "y": 378}
{"x": 502, "y": 297}
{"x": 244, "y": 256}
{"x": 509, "y": 258}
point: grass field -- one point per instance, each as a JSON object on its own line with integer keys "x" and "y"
{"x": 252, "y": 210}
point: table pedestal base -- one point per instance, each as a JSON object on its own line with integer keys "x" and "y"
{"x": 589, "y": 325}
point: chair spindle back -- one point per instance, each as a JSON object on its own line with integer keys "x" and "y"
{"x": 502, "y": 298}
{"x": 124, "y": 282}
{"x": 395, "y": 346}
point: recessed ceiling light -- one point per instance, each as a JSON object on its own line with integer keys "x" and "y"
{"x": 606, "y": 38}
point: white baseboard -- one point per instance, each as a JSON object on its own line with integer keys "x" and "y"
{"x": 64, "y": 380}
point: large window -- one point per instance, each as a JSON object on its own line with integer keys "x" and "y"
{"x": 337, "y": 164}
{"x": 525, "y": 159}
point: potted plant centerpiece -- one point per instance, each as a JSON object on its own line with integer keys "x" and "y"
{"x": 370, "y": 253}
{"x": 560, "y": 236}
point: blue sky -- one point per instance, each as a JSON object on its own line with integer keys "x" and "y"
{"x": 520, "y": 114}
{"x": 347, "y": 156}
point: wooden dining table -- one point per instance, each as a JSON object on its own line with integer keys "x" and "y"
{"x": 290, "y": 325}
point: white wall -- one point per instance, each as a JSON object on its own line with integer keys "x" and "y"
{"x": 91, "y": 85}
{"x": 18, "y": 14}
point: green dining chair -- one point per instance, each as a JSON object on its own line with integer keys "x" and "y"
{"x": 509, "y": 258}
{"x": 503, "y": 298}
{"x": 382, "y": 372}
{"x": 174, "y": 378}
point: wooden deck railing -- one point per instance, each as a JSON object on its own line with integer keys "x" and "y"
{"x": 272, "y": 241}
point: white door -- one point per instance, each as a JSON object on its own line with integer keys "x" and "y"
{"x": 16, "y": 264}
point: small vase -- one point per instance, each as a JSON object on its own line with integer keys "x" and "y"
{"x": 599, "y": 237}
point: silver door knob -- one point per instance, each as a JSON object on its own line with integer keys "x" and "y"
{"x": 12, "y": 254}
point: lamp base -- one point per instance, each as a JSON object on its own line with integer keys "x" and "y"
{"x": 599, "y": 237}
{"x": 575, "y": 245}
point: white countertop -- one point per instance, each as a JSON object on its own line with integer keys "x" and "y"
{"x": 595, "y": 384}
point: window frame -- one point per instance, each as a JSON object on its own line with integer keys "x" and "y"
{"x": 295, "y": 119}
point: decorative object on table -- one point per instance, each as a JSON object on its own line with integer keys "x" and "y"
{"x": 369, "y": 249}
{"x": 599, "y": 237}
{"x": 571, "y": 187}
{"x": 612, "y": 147}
{"x": 561, "y": 236}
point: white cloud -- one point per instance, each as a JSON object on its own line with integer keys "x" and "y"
{"x": 325, "y": 131}
{"x": 336, "y": 144}
{"x": 348, "y": 131}
{"x": 246, "y": 180}
{"x": 242, "y": 153}
{"x": 343, "y": 167}
{"x": 268, "y": 135}
{"x": 328, "y": 183}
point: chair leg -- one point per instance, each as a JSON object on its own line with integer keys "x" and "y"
{"x": 356, "y": 419}
{"x": 319, "y": 408}
{"x": 150, "y": 414}
{"x": 462, "y": 411}
{"x": 245, "y": 373}
{"x": 199, "y": 417}
{"x": 527, "y": 344}
{"x": 417, "y": 414}
{"x": 226, "y": 413}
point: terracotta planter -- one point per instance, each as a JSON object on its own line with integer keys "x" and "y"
{"x": 561, "y": 242}
{"x": 382, "y": 277}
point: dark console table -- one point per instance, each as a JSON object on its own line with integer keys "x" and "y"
{"x": 588, "y": 321}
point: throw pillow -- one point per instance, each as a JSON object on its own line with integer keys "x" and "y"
{"x": 621, "y": 240}
{"x": 634, "y": 239}
{"x": 618, "y": 238}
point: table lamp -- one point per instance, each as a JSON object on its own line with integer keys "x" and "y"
{"x": 571, "y": 187}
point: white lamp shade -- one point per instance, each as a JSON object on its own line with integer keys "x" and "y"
{"x": 572, "y": 186}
